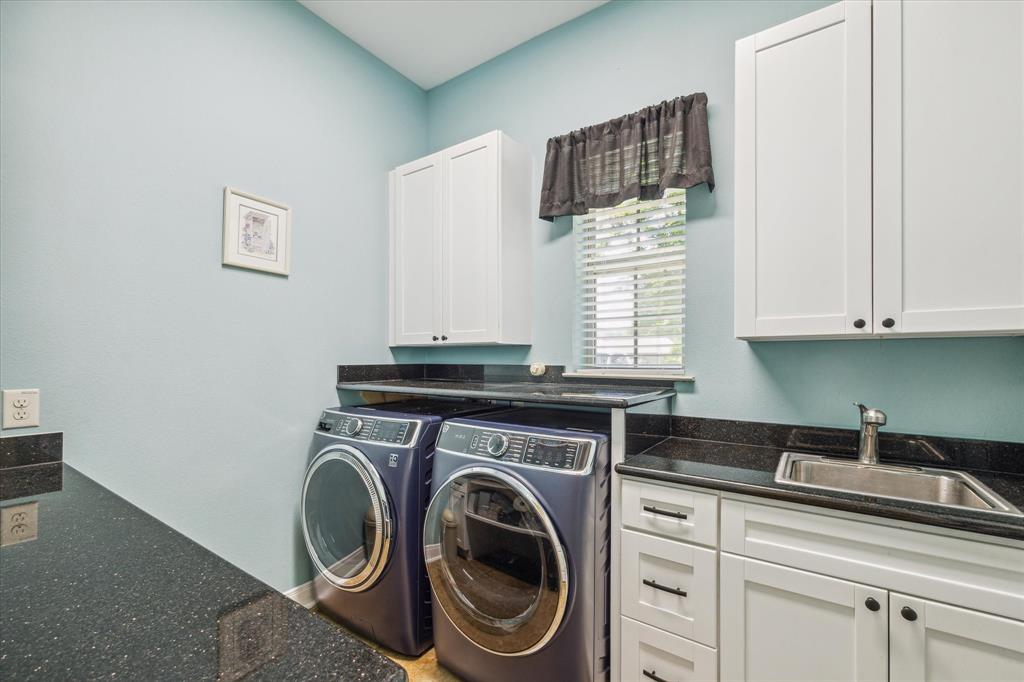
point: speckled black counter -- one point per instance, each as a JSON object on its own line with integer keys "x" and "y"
{"x": 750, "y": 469}
{"x": 107, "y": 591}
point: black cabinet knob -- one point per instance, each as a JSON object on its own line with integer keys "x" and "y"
{"x": 444, "y": 338}
{"x": 435, "y": 338}
{"x": 859, "y": 324}
{"x": 908, "y": 613}
{"x": 872, "y": 604}
{"x": 888, "y": 323}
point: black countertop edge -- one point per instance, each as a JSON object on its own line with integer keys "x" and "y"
{"x": 583, "y": 395}
{"x": 33, "y": 448}
{"x": 750, "y": 470}
{"x": 482, "y": 374}
{"x": 106, "y": 590}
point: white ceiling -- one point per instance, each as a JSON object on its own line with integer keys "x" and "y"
{"x": 432, "y": 41}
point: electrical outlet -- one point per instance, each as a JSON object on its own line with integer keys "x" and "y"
{"x": 21, "y": 408}
{"x": 19, "y": 523}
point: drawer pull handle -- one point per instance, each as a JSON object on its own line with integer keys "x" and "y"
{"x": 673, "y": 590}
{"x": 664, "y": 512}
{"x": 653, "y": 674}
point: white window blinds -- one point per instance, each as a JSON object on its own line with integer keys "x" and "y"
{"x": 631, "y": 282}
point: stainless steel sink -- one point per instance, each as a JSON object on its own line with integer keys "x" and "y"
{"x": 917, "y": 484}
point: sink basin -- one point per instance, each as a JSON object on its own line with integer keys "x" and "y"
{"x": 918, "y": 484}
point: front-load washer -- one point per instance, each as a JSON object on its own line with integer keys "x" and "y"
{"x": 363, "y": 500}
{"x": 516, "y": 543}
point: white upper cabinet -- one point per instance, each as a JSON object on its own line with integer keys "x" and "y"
{"x": 880, "y": 172}
{"x": 949, "y": 167}
{"x": 415, "y": 267}
{"x": 803, "y": 176}
{"x": 460, "y": 260}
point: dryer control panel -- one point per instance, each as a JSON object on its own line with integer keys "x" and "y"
{"x": 531, "y": 449}
{"x": 367, "y": 429}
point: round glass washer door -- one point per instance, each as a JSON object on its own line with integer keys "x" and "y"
{"x": 346, "y": 518}
{"x": 495, "y": 562}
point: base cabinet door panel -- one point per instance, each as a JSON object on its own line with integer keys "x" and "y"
{"x": 933, "y": 642}
{"x": 652, "y": 655}
{"x": 785, "y": 625}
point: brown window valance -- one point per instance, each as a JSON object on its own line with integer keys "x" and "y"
{"x": 638, "y": 155}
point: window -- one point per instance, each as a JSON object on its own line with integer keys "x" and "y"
{"x": 630, "y": 274}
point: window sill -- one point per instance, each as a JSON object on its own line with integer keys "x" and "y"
{"x": 653, "y": 376}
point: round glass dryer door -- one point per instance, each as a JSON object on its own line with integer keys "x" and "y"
{"x": 346, "y": 518}
{"x": 495, "y": 562}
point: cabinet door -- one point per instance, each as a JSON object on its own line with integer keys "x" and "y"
{"x": 949, "y": 166}
{"x": 415, "y": 259}
{"x": 803, "y": 176}
{"x": 948, "y": 643}
{"x": 471, "y": 259}
{"x": 788, "y": 625}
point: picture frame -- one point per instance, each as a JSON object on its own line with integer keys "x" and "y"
{"x": 257, "y": 233}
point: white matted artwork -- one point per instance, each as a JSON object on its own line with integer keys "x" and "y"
{"x": 257, "y": 233}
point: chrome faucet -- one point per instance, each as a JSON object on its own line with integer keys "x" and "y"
{"x": 870, "y": 420}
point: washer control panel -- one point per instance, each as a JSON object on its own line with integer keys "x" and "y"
{"x": 368, "y": 429}
{"x": 550, "y": 452}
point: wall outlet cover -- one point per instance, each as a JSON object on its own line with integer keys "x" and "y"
{"x": 21, "y": 408}
{"x": 19, "y": 523}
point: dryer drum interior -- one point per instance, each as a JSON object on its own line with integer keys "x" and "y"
{"x": 346, "y": 518}
{"x": 495, "y": 562}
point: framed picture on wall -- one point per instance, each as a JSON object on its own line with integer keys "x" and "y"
{"x": 257, "y": 233}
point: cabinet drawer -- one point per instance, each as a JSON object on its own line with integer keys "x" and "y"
{"x": 671, "y": 585}
{"x": 673, "y": 512}
{"x": 651, "y": 655}
{"x": 972, "y": 574}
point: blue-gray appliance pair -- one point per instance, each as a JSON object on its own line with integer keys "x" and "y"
{"x": 363, "y": 501}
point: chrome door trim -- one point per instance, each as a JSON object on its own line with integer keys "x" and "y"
{"x": 378, "y": 498}
{"x": 519, "y": 486}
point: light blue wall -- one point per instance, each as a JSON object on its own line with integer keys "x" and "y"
{"x": 622, "y": 57}
{"x": 189, "y": 388}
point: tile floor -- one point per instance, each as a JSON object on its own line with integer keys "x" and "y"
{"x": 425, "y": 668}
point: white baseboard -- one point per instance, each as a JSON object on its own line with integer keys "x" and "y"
{"x": 303, "y": 595}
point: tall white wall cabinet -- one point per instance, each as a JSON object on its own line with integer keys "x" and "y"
{"x": 460, "y": 270}
{"x": 880, "y": 172}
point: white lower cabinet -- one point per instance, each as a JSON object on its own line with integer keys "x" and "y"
{"x": 653, "y": 655}
{"x": 716, "y": 586}
{"x": 671, "y": 585}
{"x": 929, "y": 641}
{"x": 788, "y": 625}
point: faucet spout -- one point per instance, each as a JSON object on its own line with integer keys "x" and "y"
{"x": 870, "y": 420}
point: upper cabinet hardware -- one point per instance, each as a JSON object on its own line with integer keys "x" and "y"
{"x": 672, "y": 590}
{"x": 664, "y": 512}
{"x": 888, "y": 323}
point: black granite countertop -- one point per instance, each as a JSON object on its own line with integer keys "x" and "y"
{"x": 750, "y": 469}
{"x": 107, "y": 591}
{"x": 580, "y": 394}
